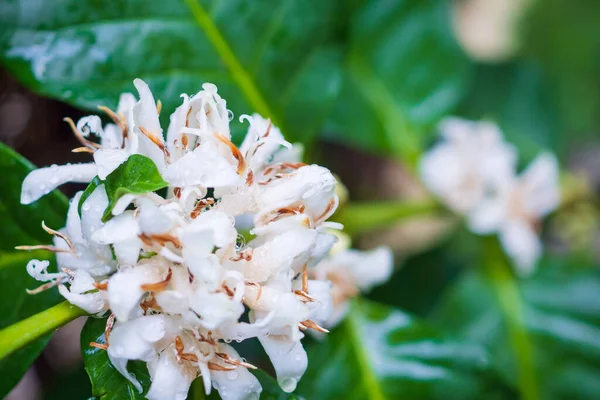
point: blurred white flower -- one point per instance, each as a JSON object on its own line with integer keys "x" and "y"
{"x": 470, "y": 161}
{"x": 352, "y": 272}
{"x": 517, "y": 209}
{"x": 175, "y": 274}
{"x": 473, "y": 171}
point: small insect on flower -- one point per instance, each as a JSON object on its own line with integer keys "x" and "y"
{"x": 170, "y": 270}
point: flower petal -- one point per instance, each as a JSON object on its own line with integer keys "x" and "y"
{"x": 44, "y": 180}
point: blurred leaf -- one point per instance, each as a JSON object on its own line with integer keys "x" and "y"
{"x": 20, "y": 224}
{"x": 107, "y": 382}
{"x": 563, "y": 37}
{"x": 561, "y": 315}
{"x": 403, "y": 72}
{"x": 517, "y": 97}
{"x": 70, "y": 384}
{"x": 137, "y": 175}
{"x": 16, "y": 305}
{"x": 272, "y": 57}
{"x": 379, "y": 352}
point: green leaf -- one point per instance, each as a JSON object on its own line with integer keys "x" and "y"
{"x": 403, "y": 73}
{"x": 20, "y": 224}
{"x": 107, "y": 382}
{"x": 94, "y": 183}
{"x": 137, "y": 175}
{"x": 560, "y": 315}
{"x": 16, "y": 305}
{"x": 382, "y": 353}
{"x": 272, "y": 57}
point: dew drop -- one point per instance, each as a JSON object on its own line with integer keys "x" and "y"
{"x": 86, "y": 206}
{"x": 54, "y": 168}
{"x": 288, "y": 384}
{"x": 240, "y": 242}
{"x": 232, "y": 375}
{"x": 298, "y": 357}
{"x": 230, "y": 115}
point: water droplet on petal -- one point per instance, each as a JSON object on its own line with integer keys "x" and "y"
{"x": 288, "y": 384}
{"x": 230, "y": 115}
{"x": 232, "y": 375}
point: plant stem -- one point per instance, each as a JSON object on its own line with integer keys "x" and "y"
{"x": 26, "y": 331}
{"x": 511, "y": 305}
{"x": 352, "y": 325}
{"x": 361, "y": 217}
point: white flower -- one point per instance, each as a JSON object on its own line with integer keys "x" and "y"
{"x": 517, "y": 210}
{"x": 351, "y": 272}
{"x": 474, "y": 172}
{"x": 174, "y": 272}
{"x": 470, "y": 161}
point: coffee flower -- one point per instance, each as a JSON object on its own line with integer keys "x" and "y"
{"x": 352, "y": 272}
{"x": 473, "y": 171}
{"x": 515, "y": 211}
{"x": 174, "y": 273}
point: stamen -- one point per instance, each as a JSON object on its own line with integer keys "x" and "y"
{"x": 111, "y": 114}
{"x": 216, "y": 367}
{"x": 110, "y": 322}
{"x": 43, "y": 247}
{"x": 99, "y": 346}
{"x": 82, "y": 150}
{"x": 312, "y": 325}
{"x": 45, "y": 286}
{"x": 251, "y": 283}
{"x": 250, "y": 178}
{"x": 305, "y": 279}
{"x": 200, "y": 205}
{"x": 158, "y": 286}
{"x": 101, "y": 285}
{"x": 158, "y": 106}
{"x": 60, "y": 235}
{"x": 237, "y": 363}
{"x": 177, "y": 192}
{"x": 149, "y": 303}
{"x": 305, "y": 296}
{"x": 237, "y": 154}
{"x": 184, "y": 141}
{"x": 245, "y": 255}
{"x": 330, "y": 207}
{"x": 155, "y": 140}
{"x": 160, "y": 239}
{"x": 80, "y": 137}
{"x": 282, "y": 167}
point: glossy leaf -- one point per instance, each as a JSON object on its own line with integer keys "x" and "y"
{"x": 21, "y": 224}
{"x": 94, "y": 183}
{"x": 271, "y": 57}
{"x": 107, "y": 382}
{"x": 561, "y": 318}
{"x": 16, "y": 305}
{"x": 382, "y": 353}
{"x": 137, "y": 175}
{"x": 402, "y": 73}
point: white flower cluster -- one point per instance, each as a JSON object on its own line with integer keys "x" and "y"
{"x": 473, "y": 171}
{"x": 174, "y": 272}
